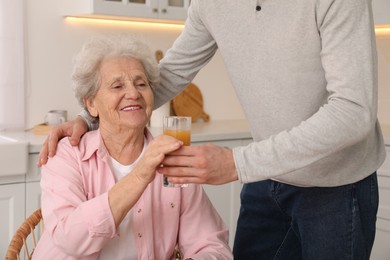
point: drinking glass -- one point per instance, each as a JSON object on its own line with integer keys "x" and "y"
{"x": 180, "y": 128}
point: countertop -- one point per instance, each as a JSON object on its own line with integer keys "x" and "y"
{"x": 210, "y": 131}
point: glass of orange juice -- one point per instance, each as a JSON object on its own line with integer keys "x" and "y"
{"x": 180, "y": 128}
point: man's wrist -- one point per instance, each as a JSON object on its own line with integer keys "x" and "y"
{"x": 92, "y": 122}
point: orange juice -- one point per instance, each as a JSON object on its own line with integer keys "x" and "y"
{"x": 182, "y": 135}
{"x": 180, "y": 128}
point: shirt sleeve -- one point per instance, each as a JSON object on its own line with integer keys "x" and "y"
{"x": 77, "y": 224}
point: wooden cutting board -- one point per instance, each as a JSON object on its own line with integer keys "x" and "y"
{"x": 190, "y": 103}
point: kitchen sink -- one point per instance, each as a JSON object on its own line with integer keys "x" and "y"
{"x": 13, "y": 156}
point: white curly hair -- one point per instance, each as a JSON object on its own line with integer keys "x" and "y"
{"x": 86, "y": 77}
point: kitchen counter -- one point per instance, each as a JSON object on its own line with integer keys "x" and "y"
{"x": 210, "y": 131}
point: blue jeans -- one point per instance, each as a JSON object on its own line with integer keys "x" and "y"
{"x": 280, "y": 221}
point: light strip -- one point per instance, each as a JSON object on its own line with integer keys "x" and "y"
{"x": 382, "y": 30}
{"x": 110, "y": 21}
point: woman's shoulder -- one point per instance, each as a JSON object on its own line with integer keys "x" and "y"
{"x": 88, "y": 142}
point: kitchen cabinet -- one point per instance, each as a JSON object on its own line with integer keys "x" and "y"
{"x": 33, "y": 189}
{"x": 381, "y": 249}
{"x": 226, "y": 198}
{"x": 381, "y": 11}
{"x": 12, "y": 208}
{"x": 174, "y": 11}
{"x": 19, "y": 197}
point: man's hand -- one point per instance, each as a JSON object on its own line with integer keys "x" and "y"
{"x": 206, "y": 164}
{"x": 75, "y": 129}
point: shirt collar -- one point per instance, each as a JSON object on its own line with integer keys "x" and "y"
{"x": 92, "y": 143}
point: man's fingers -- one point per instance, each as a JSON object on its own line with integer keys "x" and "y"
{"x": 43, "y": 154}
{"x": 186, "y": 180}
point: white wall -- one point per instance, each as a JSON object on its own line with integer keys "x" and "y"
{"x": 383, "y": 48}
{"x": 51, "y": 42}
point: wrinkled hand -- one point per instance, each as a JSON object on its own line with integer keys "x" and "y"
{"x": 154, "y": 155}
{"x": 75, "y": 129}
{"x": 206, "y": 164}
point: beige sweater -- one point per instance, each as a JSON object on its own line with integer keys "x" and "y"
{"x": 305, "y": 73}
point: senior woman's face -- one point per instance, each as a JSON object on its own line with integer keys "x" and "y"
{"x": 124, "y": 97}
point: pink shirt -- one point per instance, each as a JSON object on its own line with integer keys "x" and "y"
{"x": 79, "y": 223}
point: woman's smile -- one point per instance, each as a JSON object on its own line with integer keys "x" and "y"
{"x": 131, "y": 108}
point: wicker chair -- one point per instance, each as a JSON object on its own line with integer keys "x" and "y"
{"x": 25, "y": 236}
{"x": 20, "y": 239}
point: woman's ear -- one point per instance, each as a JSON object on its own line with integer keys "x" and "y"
{"x": 90, "y": 106}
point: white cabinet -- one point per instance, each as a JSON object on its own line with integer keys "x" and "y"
{"x": 381, "y": 249}
{"x": 33, "y": 197}
{"x": 19, "y": 197}
{"x": 12, "y": 208}
{"x": 381, "y": 11}
{"x": 145, "y": 10}
{"x": 33, "y": 189}
{"x": 226, "y": 198}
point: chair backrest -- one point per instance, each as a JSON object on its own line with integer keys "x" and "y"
{"x": 22, "y": 236}
{"x": 177, "y": 254}
{"x": 27, "y": 230}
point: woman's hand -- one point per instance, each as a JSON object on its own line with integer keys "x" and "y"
{"x": 75, "y": 129}
{"x": 154, "y": 155}
{"x": 125, "y": 193}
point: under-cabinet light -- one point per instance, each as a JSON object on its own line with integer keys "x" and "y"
{"x": 111, "y": 21}
{"x": 382, "y": 30}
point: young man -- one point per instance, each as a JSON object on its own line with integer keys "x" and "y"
{"x": 305, "y": 73}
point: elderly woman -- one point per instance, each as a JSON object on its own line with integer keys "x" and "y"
{"x": 103, "y": 199}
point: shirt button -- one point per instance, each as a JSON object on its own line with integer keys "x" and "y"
{"x": 139, "y": 235}
{"x": 139, "y": 210}
{"x": 258, "y": 7}
{"x": 172, "y": 205}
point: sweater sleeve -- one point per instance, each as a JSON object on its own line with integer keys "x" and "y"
{"x": 348, "y": 58}
{"x": 191, "y": 51}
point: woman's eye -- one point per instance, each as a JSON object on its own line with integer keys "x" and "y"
{"x": 117, "y": 86}
{"x": 141, "y": 84}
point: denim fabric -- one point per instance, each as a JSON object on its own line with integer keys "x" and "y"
{"x": 280, "y": 221}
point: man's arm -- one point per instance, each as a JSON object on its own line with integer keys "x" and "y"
{"x": 75, "y": 129}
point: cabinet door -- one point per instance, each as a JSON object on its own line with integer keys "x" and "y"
{"x": 12, "y": 208}
{"x": 128, "y": 8}
{"x": 33, "y": 202}
{"x": 226, "y": 198}
{"x": 33, "y": 171}
{"x": 173, "y": 9}
{"x": 33, "y": 189}
{"x": 33, "y": 197}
